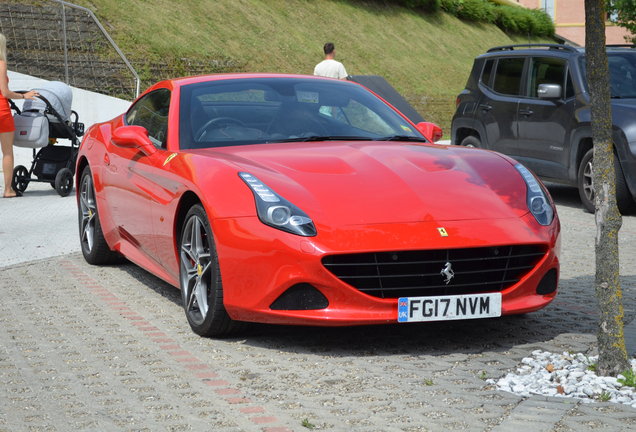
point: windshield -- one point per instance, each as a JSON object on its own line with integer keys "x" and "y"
{"x": 622, "y": 68}
{"x": 262, "y": 110}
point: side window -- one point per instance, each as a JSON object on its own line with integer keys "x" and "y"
{"x": 485, "y": 75}
{"x": 546, "y": 70}
{"x": 508, "y": 76}
{"x": 151, "y": 112}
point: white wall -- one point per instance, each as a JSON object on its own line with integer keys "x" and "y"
{"x": 91, "y": 108}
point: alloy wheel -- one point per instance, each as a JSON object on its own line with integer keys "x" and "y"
{"x": 89, "y": 213}
{"x": 588, "y": 181}
{"x": 196, "y": 267}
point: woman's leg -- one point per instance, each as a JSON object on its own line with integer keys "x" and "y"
{"x": 6, "y": 140}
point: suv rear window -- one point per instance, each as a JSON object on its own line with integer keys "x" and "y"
{"x": 508, "y": 76}
{"x": 485, "y": 76}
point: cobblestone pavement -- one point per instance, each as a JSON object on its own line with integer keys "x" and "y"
{"x": 85, "y": 348}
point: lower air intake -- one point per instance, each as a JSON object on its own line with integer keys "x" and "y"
{"x": 301, "y": 297}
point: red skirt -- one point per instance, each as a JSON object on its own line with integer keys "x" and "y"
{"x": 6, "y": 116}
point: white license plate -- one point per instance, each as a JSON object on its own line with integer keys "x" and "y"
{"x": 453, "y": 307}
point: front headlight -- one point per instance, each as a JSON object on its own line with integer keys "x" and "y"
{"x": 276, "y": 211}
{"x": 537, "y": 198}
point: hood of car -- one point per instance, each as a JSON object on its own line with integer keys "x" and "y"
{"x": 344, "y": 183}
{"x": 624, "y": 103}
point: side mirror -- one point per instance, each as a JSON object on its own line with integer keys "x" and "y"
{"x": 549, "y": 91}
{"x": 133, "y": 137}
{"x": 431, "y": 131}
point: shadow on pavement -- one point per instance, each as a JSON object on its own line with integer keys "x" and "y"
{"x": 574, "y": 311}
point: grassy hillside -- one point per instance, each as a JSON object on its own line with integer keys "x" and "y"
{"x": 425, "y": 57}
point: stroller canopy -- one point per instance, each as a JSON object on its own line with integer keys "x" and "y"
{"x": 59, "y": 95}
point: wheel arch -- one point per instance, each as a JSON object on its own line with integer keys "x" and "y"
{"x": 187, "y": 201}
{"x": 82, "y": 162}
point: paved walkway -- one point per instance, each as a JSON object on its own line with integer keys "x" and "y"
{"x": 85, "y": 348}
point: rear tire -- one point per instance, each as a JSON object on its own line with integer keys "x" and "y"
{"x": 64, "y": 182}
{"x": 624, "y": 199}
{"x": 200, "y": 279}
{"x": 94, "y": 246}
{"x": 471, "y": 141}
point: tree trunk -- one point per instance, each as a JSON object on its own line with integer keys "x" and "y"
{"x": 611, "y": 340}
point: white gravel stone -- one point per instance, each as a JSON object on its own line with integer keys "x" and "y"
{"x": 570, "y": 377}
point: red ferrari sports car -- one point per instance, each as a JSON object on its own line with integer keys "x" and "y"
{"x": 303, "y": 200}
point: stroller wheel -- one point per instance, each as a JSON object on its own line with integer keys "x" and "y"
{"x": 21, "y": 178}
{"x": 64, "y": 182}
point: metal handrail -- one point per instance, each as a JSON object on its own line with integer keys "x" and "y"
{"x": 104, "y": 32}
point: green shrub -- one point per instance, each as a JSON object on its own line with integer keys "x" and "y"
{"x": 524, "y": 21}
{"x": 427, "y": 5}
{"x": 508, "y": 18}
{"x": 477, "y": 10}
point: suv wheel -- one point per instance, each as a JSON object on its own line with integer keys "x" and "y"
{"x": 624, "y": 199}
{"x": 471, "y": 141}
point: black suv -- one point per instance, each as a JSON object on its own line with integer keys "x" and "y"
{"x": 531, "y": 102}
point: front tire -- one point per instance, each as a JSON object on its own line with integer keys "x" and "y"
{"x": 624, "y": 199}
{"x": 471, "y": 141}
{"x": 94, "y": 246}
{"x": 21, "y": 178}
{"x": 200, "y": 278}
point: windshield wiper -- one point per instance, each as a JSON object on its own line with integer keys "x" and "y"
{"x": 333, "y": 138}
{"x": 322, "y": 138}
{"x": 401, "y": 138}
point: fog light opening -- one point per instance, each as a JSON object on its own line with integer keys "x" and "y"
{"x": 301, "y": 296}
{"x": 548, "y": 284}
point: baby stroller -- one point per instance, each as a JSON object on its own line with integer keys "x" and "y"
{"x": 41, "y": 120}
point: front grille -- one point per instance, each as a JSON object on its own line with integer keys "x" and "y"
{"x": 419, "y": 273}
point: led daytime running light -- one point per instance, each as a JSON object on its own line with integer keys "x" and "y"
{"x": 259, "y": 188}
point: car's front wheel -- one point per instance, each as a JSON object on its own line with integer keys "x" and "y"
{"x": 471, "y": 141}
{"x": 200, "y": 278}
{"x": 94, "y": 246}
{"x": 624, "y": 199}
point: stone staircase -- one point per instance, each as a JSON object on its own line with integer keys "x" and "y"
{"x": 35, "y": 46}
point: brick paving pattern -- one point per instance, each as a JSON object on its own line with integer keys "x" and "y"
{"x": 85, "y": 348}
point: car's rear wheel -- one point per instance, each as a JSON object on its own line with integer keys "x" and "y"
{"x": 624, "y": 199}
{"x": 200, "y": 278}
{"x": 471, "y": 141}
{"x": 94, "y": 246}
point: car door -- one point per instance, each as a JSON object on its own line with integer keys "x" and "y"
{"x": 128, "y": 178}
{"x": 545, "y": 124}
{"x": 497, "y": 107}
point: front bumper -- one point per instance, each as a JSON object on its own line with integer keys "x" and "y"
{"x": 258, "y": 264}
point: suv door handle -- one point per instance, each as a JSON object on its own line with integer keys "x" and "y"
{"x": 526, "y": 112}
{"x": 485, "y": 107}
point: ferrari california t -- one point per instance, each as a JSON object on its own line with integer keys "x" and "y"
{"x": 302, "y": 200}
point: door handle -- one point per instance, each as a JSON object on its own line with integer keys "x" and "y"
{"x": 485, "y": 107}
{"x": 526, "y": 112}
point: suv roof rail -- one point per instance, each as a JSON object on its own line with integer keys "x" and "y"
{"x": 525, "y": 46}
{"x": 620, "y": 46}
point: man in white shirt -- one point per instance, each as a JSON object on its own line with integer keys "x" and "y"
{"x": 329, "y": 67}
